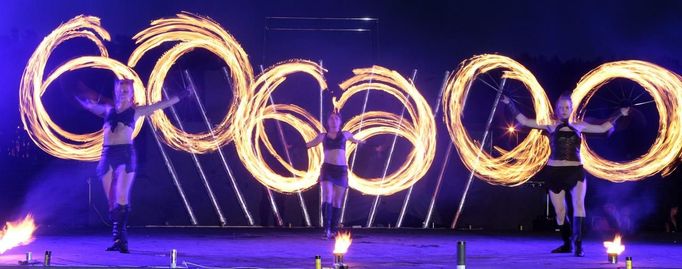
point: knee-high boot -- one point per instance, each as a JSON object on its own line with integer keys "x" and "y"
{"x": 336, "y": 218}
{"x": 566, "y": 238}
{"x": 119, "y": 220}
{"x": 578, "y": 230}
{"x": 327, "y": 219}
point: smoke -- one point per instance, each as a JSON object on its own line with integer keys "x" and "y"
{"x": 625, "y": 208}
{"x": 59, "y": 194}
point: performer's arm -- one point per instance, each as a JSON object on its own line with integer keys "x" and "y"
{"x": 604, "y": 127}
{"x": 149, "y": 109}
{"x": 352, "y": 138}
{"x": 522, "y": 119}
{"x": 95, "y": 108}
{"x": 315, "y": 141}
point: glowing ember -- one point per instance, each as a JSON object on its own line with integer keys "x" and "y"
{"x": 17, "y": 233}
{"x": 342, "y": 243}
{"x": 614, "y": 247}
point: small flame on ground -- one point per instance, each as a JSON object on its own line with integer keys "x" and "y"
{"x": 17, "y": 233}
{"x": 614, "y": 247}
{"x": 343, "y": 241}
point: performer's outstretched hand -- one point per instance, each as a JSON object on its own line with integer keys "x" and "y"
{"x": 85, "y": 102}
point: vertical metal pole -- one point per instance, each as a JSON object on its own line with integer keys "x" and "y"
{"x": 174, "y": 175}
{"x": 200, "y": 169}
{"x": 320, "y": 185}
{"x": 372, "y": 212}
{"x": 233, "y": 182}
{"x": 352, "y": 163}
{"x": 286, "y": 150}
{"x": 399, "y": 223}
{"x": 271, "y": 198}
{"x": 478, "y": 155}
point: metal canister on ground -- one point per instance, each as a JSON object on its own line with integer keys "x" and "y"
{"x": 48, "y": 258}
{"x": 173, "y": 258}
{"x": 318, "y": 262}
{"x": 461, "y": 255}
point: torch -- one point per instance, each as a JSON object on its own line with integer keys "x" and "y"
{"x": 341, "y": 245}
{"x": 613, "y": 249}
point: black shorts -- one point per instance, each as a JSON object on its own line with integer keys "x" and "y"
{"x": 558, "y": 178}
{"x": 114, "y": 156}
{"x": 336, "y": 174}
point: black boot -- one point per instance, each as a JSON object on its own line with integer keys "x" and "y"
{"x": 578, "y": 231}
{"x": 566, "y": 237}
{"x": 336, "y": 218}
{"x": 119, "y": 220}
{"x": 327, "y": 220}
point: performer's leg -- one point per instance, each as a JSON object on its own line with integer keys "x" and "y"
{"x": 327, "y": 192}
{"x": 115, "y": 209}
{"x": 107, "y": 180}
{"x": 559, "y": 204}
{"x": 123, "y": 186}
{"x": 121, "y": 210}
{"x": 339, "y": 193}
{"x": 579, "y": 213}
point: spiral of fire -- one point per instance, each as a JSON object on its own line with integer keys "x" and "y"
{"x": 513, "y": 167}
{"x": 665, "y": 88}
{"x": 46, "y": 134}
{"x": 418, "y": 127}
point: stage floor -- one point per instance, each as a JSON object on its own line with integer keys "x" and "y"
{"x": 371, "y": 248}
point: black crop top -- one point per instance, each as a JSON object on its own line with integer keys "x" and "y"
{"x": 565, "y": 144}
{"x": 127, "y": 117}
{"x": 337, "y": 143}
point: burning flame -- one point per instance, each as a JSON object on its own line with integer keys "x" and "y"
{"x": 342, "y": 244}
{"x": 614, "y": 247}
{"x": 17, "y": 233}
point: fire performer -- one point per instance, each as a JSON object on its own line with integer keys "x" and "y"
{"x": 564, "y": 171}
{"x": 334, "y": 172}
{"x": 116, "y": 167}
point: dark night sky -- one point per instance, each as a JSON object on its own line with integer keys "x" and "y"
{"x": 568, "y": 29}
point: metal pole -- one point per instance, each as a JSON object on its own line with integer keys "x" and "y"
{"x": 372, "y": 212}
{"x": 174, "y": 175}
{"x": 399, "y": 223}
{"x": 233, "y": 182}
{"x": 286, "y": 150}
{"x": 200, "y": 170}
{"x": 478, "y": 155}
{"x": 352, "y": 163}
{"x": 319, "y": 213}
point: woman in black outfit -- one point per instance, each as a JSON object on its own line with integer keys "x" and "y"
{"x": 334, "y": 172}
{"x": 564, "y": 171}
{"x": 117, "y": 164}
